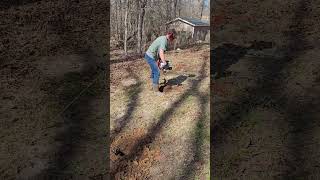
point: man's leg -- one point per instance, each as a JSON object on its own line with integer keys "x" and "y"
{"x": 154, "y": 71}
{"x": 156, "y": 75}
{"x": 149, "y": 61}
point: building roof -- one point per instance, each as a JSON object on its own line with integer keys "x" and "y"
{"x": 191, "y": 21}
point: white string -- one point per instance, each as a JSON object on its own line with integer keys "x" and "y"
{"x": 79, "y": 95}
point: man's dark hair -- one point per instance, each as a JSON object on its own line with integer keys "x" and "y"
{"x": 172, "y": 33}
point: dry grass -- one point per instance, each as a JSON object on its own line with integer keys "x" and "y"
{"x": 176, "y": 124}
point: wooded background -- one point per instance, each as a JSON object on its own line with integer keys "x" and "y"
{"x": 136, "y": 23}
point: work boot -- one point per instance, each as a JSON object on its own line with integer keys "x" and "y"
{"x": 155, "y": 89}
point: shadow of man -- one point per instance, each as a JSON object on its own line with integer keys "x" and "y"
{"x": 177, "y": 81}
{"x": 228, "y": 54}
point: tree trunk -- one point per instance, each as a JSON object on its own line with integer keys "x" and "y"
{"x": 126, "y": 27}
{"x": 141, "y": 11}
{"x": 202, "y": 6}
{"x": 179, "y": 8}
{"x": 117, "y": 20}
{"x": 138, "y": 24}
{"x": 168, "y": 7}
{"x": 137, "y": 13}
{"x": 175, "y": 8}
{"x": 121, "y": 20}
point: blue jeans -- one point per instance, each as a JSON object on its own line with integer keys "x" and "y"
{"x": 155, "y": 72}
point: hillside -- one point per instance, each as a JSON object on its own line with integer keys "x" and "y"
{"x": 161, "y": 137}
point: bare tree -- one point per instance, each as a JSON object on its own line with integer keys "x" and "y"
{"x": 202, "y": 6}
{"x": 118, "y": 13}
{"x": 179, "y": 7}
{"x": 126, "y": 27}
{"x": 141, "y": 4}
{"x": 135, "y": 24}
{"x": 174, "y": 12}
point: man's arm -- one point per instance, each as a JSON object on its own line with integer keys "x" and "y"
{"x": 161, "y": 54}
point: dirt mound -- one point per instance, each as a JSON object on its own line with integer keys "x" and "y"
{"x": 135, "y": 169}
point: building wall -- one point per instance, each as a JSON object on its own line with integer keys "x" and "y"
{"x": 200, "y": 33}
{"x": 184, "y": 33}
{"x": 188, "y": 34}
{"x": 181, "y": 26}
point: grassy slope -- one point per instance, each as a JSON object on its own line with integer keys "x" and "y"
{"x": 174, "y": 128}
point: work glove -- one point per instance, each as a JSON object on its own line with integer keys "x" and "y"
{"x": 162, "y": 64}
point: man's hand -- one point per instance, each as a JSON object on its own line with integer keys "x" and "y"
{"x": 161, "y": 54}
{"x": 162, "y": 60}
{"x": 162, "y": 64}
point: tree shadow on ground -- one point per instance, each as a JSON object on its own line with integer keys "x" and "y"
{"x": 228, "y": 54}
{"x": 269, "y": 94}
{"x": 199, "y": 136}
{"x": 133, "y": 93}
{"x": 70, "y": 130}
{"x": 301, "y": 115}
{"x": 72, "y": 134}
{"x": 77, "y": 91}
{"x": 260, "y": 96}
{"x": 137, "y": 149}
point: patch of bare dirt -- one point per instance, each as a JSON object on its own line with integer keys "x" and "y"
{"x": 122, "y": 146}
{"x": 118, "y": 72}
